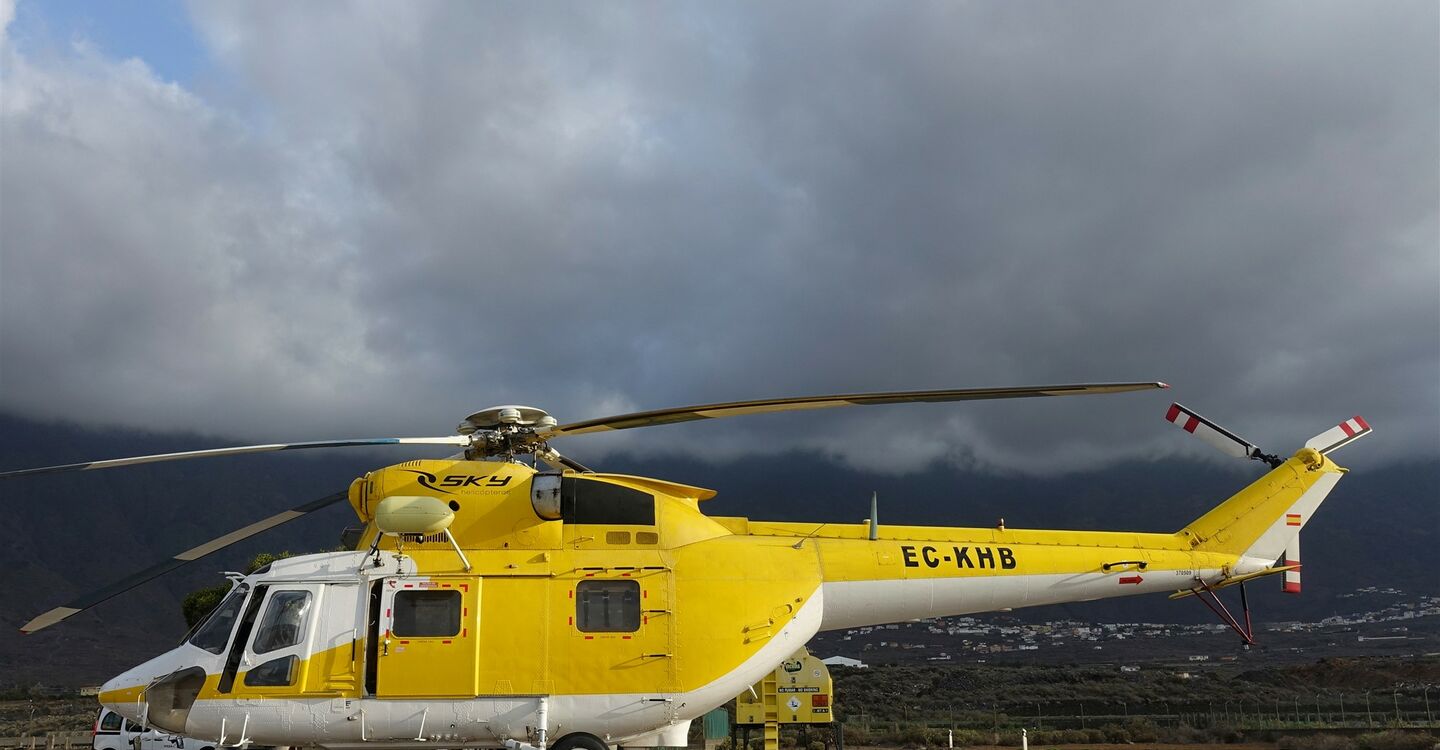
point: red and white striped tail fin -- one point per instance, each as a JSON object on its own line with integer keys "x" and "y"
{"x": 1222, "y": 439}
{"x": 1340, "y": 436}
{"x": 1292, "y": 557}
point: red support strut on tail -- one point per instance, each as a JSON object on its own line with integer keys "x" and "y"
{"x": 1246, "y": 632}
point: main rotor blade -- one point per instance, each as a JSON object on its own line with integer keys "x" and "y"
{"x": 460, "y": 440}
{"x": 766, "y": 406}
{"x": 190, "y": 555}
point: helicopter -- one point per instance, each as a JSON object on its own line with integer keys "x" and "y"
{"x": 487, "y": 602}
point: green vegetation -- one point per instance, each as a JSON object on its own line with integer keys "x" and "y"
{"x": 1353, "y": 692}
{"x": 1388, "y": 740}
{"x": 1321, "y": 706}
{"x": 198, "y": 604}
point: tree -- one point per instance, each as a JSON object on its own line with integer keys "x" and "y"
{"x": 199, "y": 604}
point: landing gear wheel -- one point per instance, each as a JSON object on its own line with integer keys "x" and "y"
{"x": 580, "y": 741}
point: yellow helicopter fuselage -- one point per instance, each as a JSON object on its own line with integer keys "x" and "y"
{"x": 620, "y": 610}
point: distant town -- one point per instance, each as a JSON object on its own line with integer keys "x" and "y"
{"x": 1406, "y": 625}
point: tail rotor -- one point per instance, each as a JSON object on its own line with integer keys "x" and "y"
{"x": 1218, "y": 437}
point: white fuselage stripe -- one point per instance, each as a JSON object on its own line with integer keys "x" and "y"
{"x": 851, "y": 604}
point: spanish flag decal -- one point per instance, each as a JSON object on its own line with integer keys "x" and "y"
{"x": 1292, "y": 519}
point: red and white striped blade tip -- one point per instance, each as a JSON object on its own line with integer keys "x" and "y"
{"x": 1221, "y": 439}
{"x": 1340, "y": 435}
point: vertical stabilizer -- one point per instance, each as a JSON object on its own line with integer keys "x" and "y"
{"x": 1261, "y": 520}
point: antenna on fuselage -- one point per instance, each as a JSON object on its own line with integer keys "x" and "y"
{"x": 874, "y": 515}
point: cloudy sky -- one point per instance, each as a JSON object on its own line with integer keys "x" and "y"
{"x": 306, "y": 220}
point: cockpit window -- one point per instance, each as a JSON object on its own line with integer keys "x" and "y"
{"x": 284, "y": 621}
{"x": 214, "y": 633}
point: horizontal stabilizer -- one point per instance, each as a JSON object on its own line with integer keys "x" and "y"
{"x": 1222, "y": 439}
{"x": 1231, "y": 581}
{"x": 1340, "y": 436}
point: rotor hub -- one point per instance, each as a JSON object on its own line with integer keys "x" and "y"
{"x": 509, "y": 415}
{"x": 507, "y": 430}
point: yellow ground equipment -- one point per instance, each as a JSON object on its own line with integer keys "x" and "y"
{"x": 799, "y": 691}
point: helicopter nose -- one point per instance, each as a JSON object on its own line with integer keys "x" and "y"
{"x": 122, "y": 694}
{"x": 159, "y": 692}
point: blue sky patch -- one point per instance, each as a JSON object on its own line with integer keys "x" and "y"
{"x": 156, "y": 31}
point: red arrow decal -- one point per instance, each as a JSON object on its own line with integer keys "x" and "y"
{"x": 1130, "y": 579}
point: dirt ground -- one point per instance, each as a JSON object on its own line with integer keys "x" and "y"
{"x": 1104, "y": 746}
{"x": 1135, "y": 746}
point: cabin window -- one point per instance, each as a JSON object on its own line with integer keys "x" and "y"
{"x": 214, "y": 633}
{"x": 110, "y": 722}
{"x": 426, "y": 614}
{"x": 607, "y": 606}
{"x": 274, "y": 673}
{"x": 284, "y": 622}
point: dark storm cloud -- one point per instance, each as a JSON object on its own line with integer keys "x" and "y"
{"x": 384, "y": 216}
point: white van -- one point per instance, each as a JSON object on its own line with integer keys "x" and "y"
{"x": 114, "y": 732}
{"x": 159, "y": 739}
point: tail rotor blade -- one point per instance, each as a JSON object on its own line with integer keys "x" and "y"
{"x": 1220, "y": 438}
{"x": 190, "y": 555}
{"x": 457, "y": 440}
{"x": 1340, "y": 435}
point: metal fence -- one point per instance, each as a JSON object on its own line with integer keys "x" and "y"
{"x": 49, "y": 741}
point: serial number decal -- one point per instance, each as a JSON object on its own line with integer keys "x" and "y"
{"x": 961, "y": 557}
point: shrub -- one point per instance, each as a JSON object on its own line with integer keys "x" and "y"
{"x": 1116, "y": 734}
{"x": 1182, "y": 735}
{"x": 917, "y": 736}
{"x": 1058, "y": 737}
{"x": 1395, "y": 740}
{"x": 1142, "y": 730}
{"x": 1316, "y": 742}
